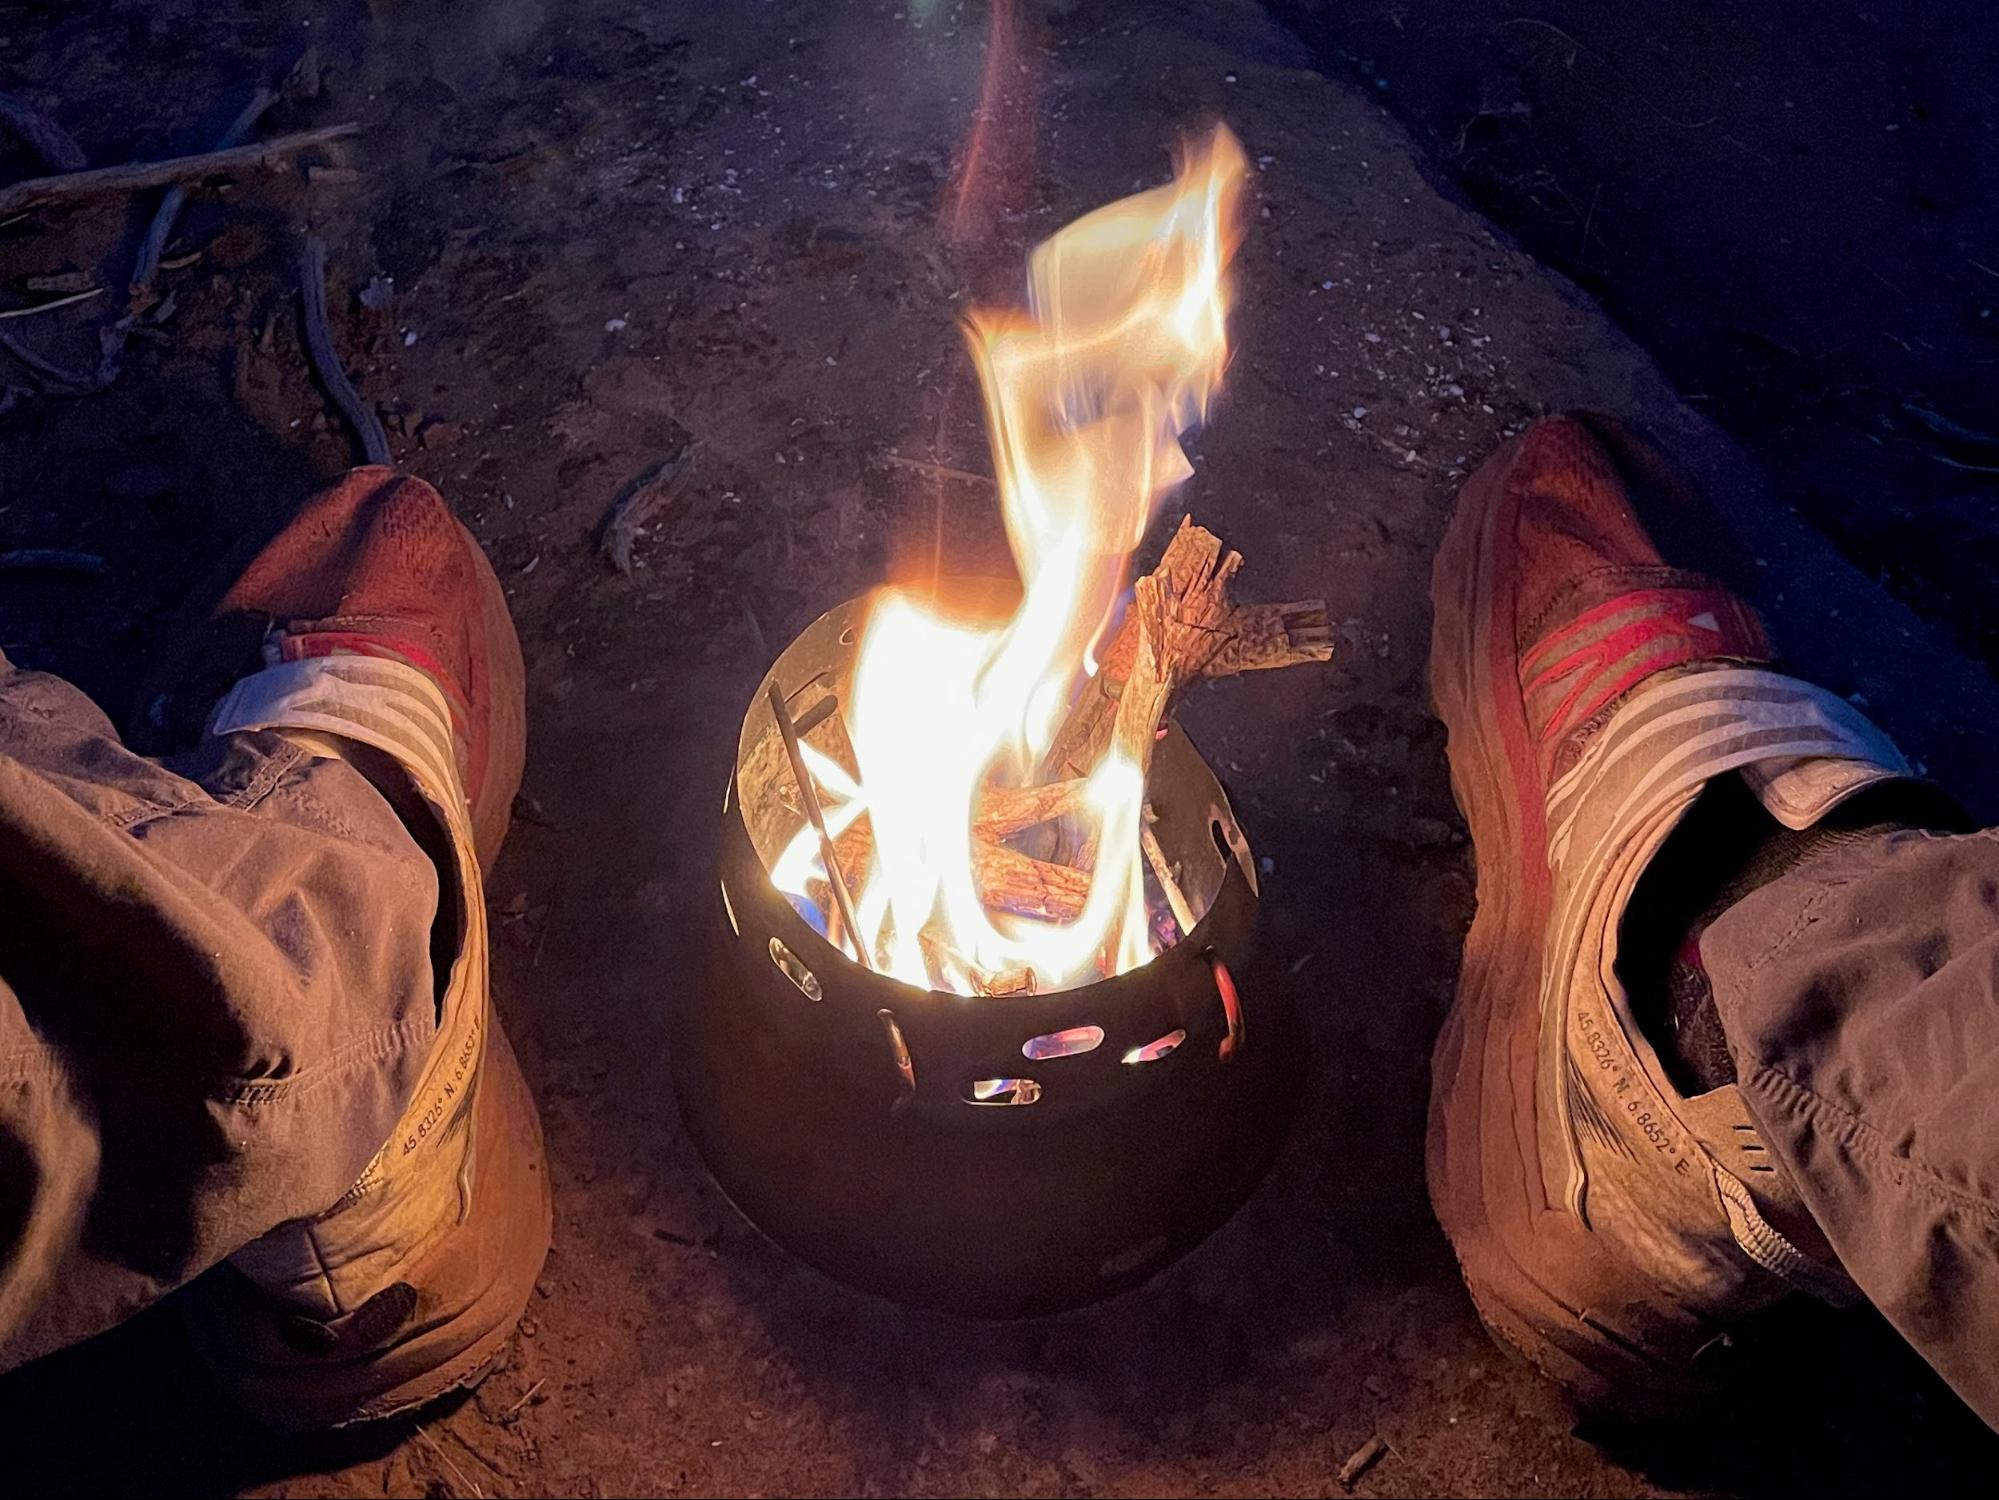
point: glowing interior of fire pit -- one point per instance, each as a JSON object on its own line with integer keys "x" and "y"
{"x": 1087, "y": 394}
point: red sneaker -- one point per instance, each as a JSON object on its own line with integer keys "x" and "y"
{"x": 387, "y": 642}
{"x": 1609, "y": 1229}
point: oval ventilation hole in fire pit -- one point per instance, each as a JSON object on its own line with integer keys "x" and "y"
{"x": 788, "y": 964}
{"x": 1227, "y": 834}
{"x": 1154, "y": 1050}
{"x": 898, "y": 1049}
{"x": 729, "y": 907}
{"x": 1003, "y": 1091}
{"x": 1071, "y": 1043}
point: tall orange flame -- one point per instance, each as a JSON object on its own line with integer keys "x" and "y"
{"x": 1086, "y": 393}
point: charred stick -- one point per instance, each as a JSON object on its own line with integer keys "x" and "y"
{"x": 326, "y": 359}
{"x": 52, "y": 560}
{"x": 808, "y": 794}
{"x": 154, "y": 247}
{"x": 54, "y": 376}
{"x": 40, "y": 134}
{"x": 634, "y": 505}
{"x": 301, "y": 81}
{"x": 133, "y": 177}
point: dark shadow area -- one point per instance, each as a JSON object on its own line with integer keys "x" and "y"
{"x": 1792, "y": 206}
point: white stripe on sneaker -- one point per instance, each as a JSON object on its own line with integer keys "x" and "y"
{"x": 1666, "y": 741}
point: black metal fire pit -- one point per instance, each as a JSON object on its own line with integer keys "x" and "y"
{"x": 992, "y": 1156}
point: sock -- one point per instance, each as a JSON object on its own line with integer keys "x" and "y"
{"x": 1726, "y": 847}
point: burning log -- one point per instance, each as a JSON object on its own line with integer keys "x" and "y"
{"x": 1006, "y": 982}
{"x": 1209, "y": 638}
{"x": 1181, "y": 626}
{"x": 1264, "y": 637}
{"x": 1179, "y": 613}
{"x": 1010, "y": 881}
{"x": 1006, "y": 810}
{"x": 1007, "y": 880}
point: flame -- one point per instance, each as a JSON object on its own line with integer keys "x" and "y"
{"x": 1086, "y": 395}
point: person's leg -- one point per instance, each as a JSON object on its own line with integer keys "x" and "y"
{"x": 216, "y": 994}
{"x": 281, "y": 943}
{"x": 1613, "y": 1222}
{"x": 1859, "y": 996}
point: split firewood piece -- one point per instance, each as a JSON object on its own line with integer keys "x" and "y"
{"x": 1264, "y": 637}
{"x": 1010, "y": 881}
{"x": 1006, "y": 810}
{"x": 1007, "y": 880}
{"x": 1175, "y": 627}
{"x": 1212, "y": 638}
{"x": 1005, "y": 982}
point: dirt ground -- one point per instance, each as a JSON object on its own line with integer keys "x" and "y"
{"x": 596, "y": 230}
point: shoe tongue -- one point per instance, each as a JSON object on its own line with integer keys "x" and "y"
{"x": 1800, "y": 791}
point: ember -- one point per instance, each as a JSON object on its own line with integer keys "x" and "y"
{"x": 984, "y": 831}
